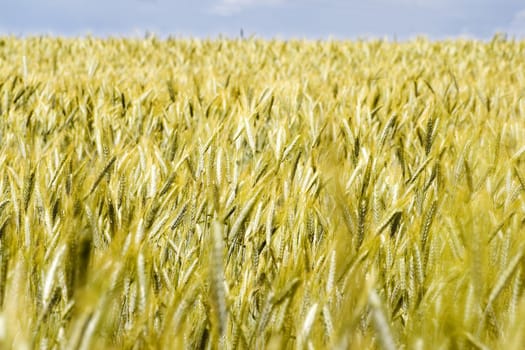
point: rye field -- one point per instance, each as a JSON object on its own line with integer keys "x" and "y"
{"x": 262, "y": 194}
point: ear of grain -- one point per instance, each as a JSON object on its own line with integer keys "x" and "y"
{"x": 363, "y": 210}
{"x": 308, "y": 323}
{"x": 29, "y": 183}
{"x": 179, "y": 217}
{"x": 504, "y": 277}
{"x": 232, "y": 235}
{"x": 427, "y": 223}
{"x": 99, "y": 178}
{"x": 380, "y": 322}
{"x": 218, "y": 293}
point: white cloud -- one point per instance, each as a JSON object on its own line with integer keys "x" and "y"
{"x": 438, "y": 5}
{"x": 233, "y": 7}
{"x": 517, "y": 25}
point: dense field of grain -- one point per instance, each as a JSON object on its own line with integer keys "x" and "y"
{"x": 261, "y": 194}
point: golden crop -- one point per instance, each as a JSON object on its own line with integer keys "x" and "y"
{"x": 259, "y": 194}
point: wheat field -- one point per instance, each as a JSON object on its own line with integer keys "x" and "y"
{"x": 261, "y": 194}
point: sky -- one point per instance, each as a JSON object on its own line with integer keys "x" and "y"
{"x": 311, "y": 19}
